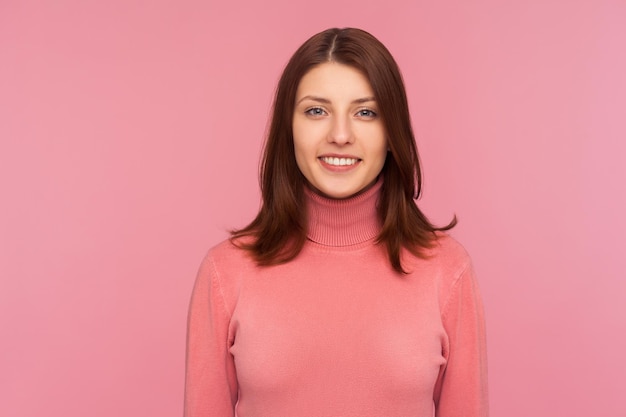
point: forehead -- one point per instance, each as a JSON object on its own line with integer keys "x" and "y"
{"x": 333, "y": 80}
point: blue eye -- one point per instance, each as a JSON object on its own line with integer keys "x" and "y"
{"x": 315, "y": 111}
{"x": 366, "y": 113}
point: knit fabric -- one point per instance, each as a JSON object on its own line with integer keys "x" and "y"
{"x": 337, "y": 332}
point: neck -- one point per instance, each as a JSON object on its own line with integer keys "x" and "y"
{"x": 344, "y": 222}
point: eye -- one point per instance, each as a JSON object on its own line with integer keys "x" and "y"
{"x": 315, "y": 111}
{"x": 366, "y": 113}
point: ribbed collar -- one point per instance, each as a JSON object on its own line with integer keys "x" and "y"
{"x": 343, "y": 222}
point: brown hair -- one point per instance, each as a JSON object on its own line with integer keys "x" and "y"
{"x": 278, "y": 232}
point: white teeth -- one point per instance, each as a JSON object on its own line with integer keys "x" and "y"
{"x": 339, "y": 161}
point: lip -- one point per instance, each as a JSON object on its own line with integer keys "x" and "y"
{"x": 338, "y": 168}
{"x": 338, "y": 155}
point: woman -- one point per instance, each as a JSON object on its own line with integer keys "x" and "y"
{"x": 340, "y": 298}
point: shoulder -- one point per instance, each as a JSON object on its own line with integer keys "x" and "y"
{"x": 447, "y": 255}
{"x": 227, "y": 257}
{"x": 224, "y": 251}
{"x": 225, "y": 266}
{"x": 443, "y": 264}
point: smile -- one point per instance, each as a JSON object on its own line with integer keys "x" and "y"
{"x": 339, "y": 161}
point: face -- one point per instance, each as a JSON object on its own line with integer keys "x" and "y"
{"x": 339, "y": 138}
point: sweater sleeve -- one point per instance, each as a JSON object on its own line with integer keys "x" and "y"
{"x": 210, "y": 378}
{"x": 461, "y": 389}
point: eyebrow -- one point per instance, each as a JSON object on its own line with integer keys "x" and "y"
{"x": 327, "y": 101}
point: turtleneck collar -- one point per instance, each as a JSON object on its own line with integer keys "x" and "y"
{"x": 343, "y": 222}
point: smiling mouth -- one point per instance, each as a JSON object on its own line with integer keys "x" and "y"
{"x": 330, "y": 160}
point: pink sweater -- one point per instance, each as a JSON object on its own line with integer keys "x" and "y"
{"x": 337, "y": 332}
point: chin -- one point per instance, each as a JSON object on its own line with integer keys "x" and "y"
{"x": 339, "y": 193}
{"x": 340, "y": 188}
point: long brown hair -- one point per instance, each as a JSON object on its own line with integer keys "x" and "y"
{"x": 278, "y": 232}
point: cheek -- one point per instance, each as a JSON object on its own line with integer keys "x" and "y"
{"x": 300, "y": 161}
{"x": 299, "y": 144}
{"x": 302, "y": 154}
{"x": 380, "y": 146}
{"x": 304, "y": 142}
{"x": 381, "y": 159}
{"x": 299, "y": 134}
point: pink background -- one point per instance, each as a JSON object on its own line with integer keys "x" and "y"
{"x": 130, "y": 133}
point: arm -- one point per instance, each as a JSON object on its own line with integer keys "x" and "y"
{"x": 461, "y": 389}
{"x": 210, "y": 378}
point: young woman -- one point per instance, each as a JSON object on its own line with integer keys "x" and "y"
{"x": 340, "y": 298}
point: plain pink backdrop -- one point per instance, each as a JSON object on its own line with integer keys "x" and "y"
{"x": 129, "y": 140}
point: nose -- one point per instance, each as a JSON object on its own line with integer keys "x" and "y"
{"x": 340, "y": 131}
